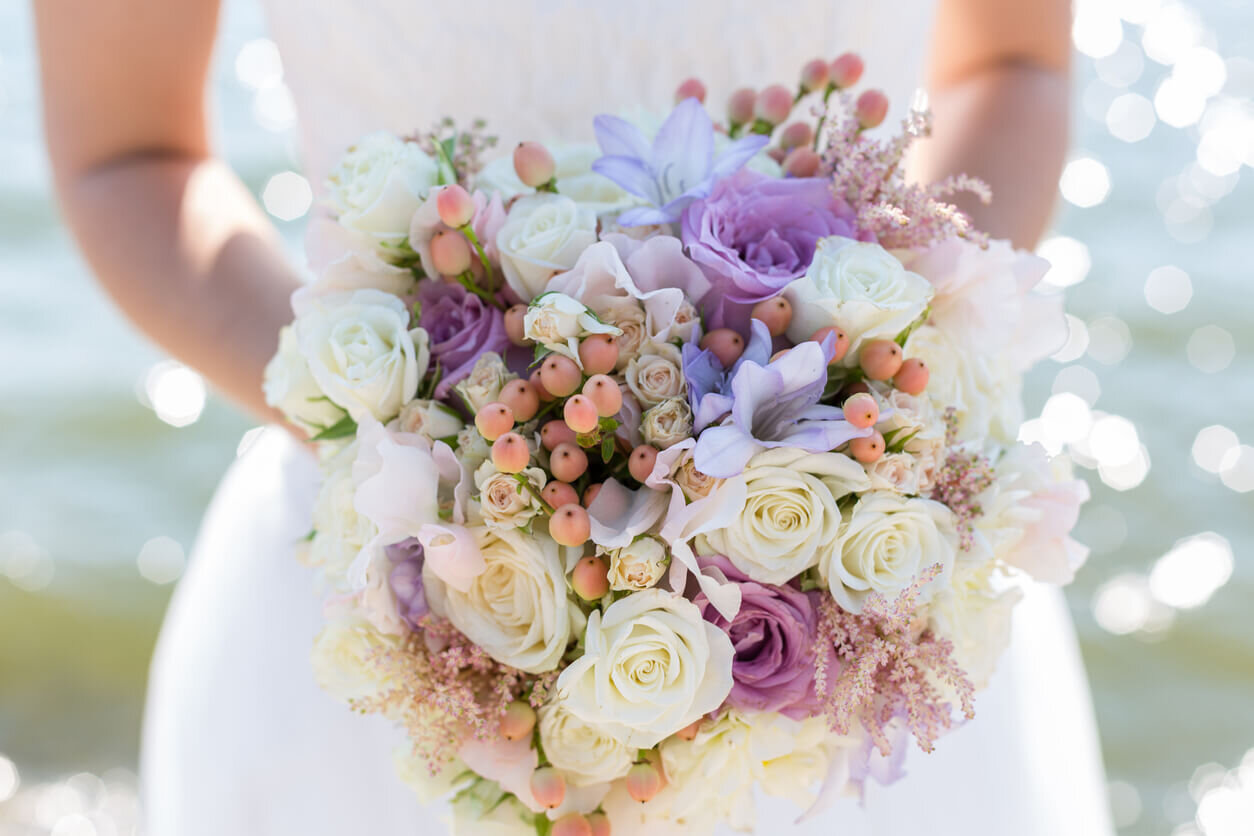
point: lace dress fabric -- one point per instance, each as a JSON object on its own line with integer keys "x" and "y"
{"x": 238, "y": 738}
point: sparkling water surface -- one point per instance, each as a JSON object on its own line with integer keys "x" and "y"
{"x": 109, "y": 450}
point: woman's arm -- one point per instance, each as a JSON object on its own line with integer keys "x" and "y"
{"x": 173, "y": 235}
{"x": 999, "y": 95}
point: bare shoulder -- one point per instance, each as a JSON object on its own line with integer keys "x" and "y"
{"x": 973, "y": 35}
{"x": 124, "y": 76}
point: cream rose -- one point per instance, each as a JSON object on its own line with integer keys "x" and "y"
{"x": 914, "y": 420}
{"x": 379, "y": 184}
{"x": 790, "y": 520}
{"x": 655, "y": 374}
{"x": 583, "y": 753}
{"x": 670, "y": 422}
{"x": 291, "y": 389}
{"x": 543, "y": 235}
{"x": 516, "y": 609}
{"x": 557, "y": 322}
{"x": 629, "y": 318}
{"x": 695, "y": 484}
{"x": 638, "y": 565}
{"x": 651, "y": 666}
{"x": 484, "y": 383}
{"x": 362, "y": 352}
{"x": 859, "y": 287}
{"x": 343, "y": 655}
{"x": 885, "y": 542}
{"x": 895, "y": 472}
{"x": 982, "y": 388}
{"x": 430, "y": 419}
{"x": 503, "y": 503}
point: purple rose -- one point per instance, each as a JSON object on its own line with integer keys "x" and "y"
{"x": 461, "y": 327}
{"x": 405, "y": 580}
{"x": 773, "y": 636}
{"x": 754, "y": 234}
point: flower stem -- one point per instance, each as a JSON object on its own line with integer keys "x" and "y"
{"x": 469, "y": 232}
{"x": 467, "y": 281}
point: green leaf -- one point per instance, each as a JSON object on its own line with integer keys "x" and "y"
{"x": 342, "y": 428}
{"x": 607, "y": 449}
{"x": 914, "y": 326}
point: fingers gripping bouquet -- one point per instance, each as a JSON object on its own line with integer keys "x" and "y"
{"x": 659, "y": 471}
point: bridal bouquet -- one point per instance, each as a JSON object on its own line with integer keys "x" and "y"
{"x": 666, "y": 471}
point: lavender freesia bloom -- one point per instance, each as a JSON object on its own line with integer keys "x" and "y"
{"x": 461, "y": 327}
{"x": 709, "y": 384}
{"x": 405, "y": 579}
{"x": 678, "y": 167}
{"x": 775, "y": 405}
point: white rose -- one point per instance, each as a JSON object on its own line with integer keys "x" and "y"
{"x": 983, "y": 389}
{"x": 340, "y": 533}
{"x": 858, "y": 287}
{"x": 484, "y": 383}
{"x": 379, "y": 184}
{"x": 885, "y": 542}
{"x": 344, "y": 658}
{"x": 291, "y": 389}
{"x": 655, "y": 374}
{"x": 430, "y": 419}
{"x": 895, "y": 472}
{"x": 556, "y": 321}
{"x": 638, "y": 565}
{"x": 629, "y": 318}
{"x": 543, "y": 235}
{"x": 362, "y": 352}
{"x": 668, "y": 423}
{"x": 583, "y": 753}
{"x": 503, "y": 503}
{"x": 516, "y": 609}
{"x": 975, "y": 616}
{"x": 651, "y": 666}
{"x": 790, "y": 520}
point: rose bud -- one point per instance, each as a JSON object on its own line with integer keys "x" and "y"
{"x": 534, "y": 164}
{"x": 725, "y": 344}
{"x": 871, "y": 108}
{"x": 581, "y": 414}
{"x": 560, "y": 375}
{"x": 554, "y": 433}
{"x": 568, "y": 462}
{"x": 845, "y": 71}
{"x": 840, "y": 349}
{"x": 861, "y": 410}
{"x": 515, "y": 327}
{"x": 604, "y": 394}
{"x": 802, "y": 162}
{"x": 814, "y": 75}
{"x": 455, "y": 206}
{"x": 575, "y": 824}
{"x": 599, "y": 353}
{"x": 740, "y": 106}
{"x": 869, "y": 449}
{"x": 450, "y": 254}
{"x": 773, "y": 104}
{"x": 510, "y": 453}
{"x": 522, "y": 398}
{"x": 494, "y": 420}
{"x": 880, "y": 359}
{"x": 912, "y": 377}
{"x": 640, "y": 462}
{"x": 548, "y": 787}
{"x": 775, "y": 313}
{"x": 796, "y": 135}
{"x": 558, "y": 494}
{"x": 590, "y": 578}
{"x": 643, "y": 782}
{"x": 600, "y": 824}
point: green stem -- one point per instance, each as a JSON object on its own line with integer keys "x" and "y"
{"x": 467, "y": 281}
{"x": 818, "y": 131}
{"x": 531, "y": 489}
{"x": 469, "y": 232}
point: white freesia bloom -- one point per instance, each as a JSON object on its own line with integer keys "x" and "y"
{"x": 651, "y": 666}
{"x": 638, "y": 565}
{"x": 983, "y": 388}
{"x": 430, "y": 419}
{"x": 342, "y": 655}
{"x": 790, "y": 520}
{"x": 484, "y": 383}
{"x": 858, "y": 287}
{"x": 379, "y": 183}
{"x": 543, "y": 235}
{"x": 975, "y": 616}
{"x": 516, "y": 609}
{"x": 557, "y": 322}
{"x": 362, "y": 352}
{"x": 583, "y": 753}
{"x": 291, "y": 389}
{"x": 885, "y": 542}
{"x": 503, "y": 503}
{"x": 656, "y": 374}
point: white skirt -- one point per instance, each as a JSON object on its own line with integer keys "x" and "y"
{"x": 239, "y": 740}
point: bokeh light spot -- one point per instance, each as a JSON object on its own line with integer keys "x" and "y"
{"x": 161, "y": 560}
{"x": 1069, "y": 260}
{"x": 1085, "y": 182}
{"x": 1236, "y": 469}
{"x": 1211, "y": 349}
{"x": 1130, "y": 117}
{"x": 1109, "y": 340}
{"x": 287, "y": 196}
{"x": 1211, "y": 445}
{"x": 175, "y": 392}
{"x": 1168, "y": 289}
{"x": 1194, "y": 569}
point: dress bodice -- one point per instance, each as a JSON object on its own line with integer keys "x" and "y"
{"x": 541, "y": 69}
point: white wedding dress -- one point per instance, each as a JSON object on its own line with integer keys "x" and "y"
{"x": 239, "y": 740}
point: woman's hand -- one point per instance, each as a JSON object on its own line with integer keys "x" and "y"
{"x": 172, "y": 234}
{"x": 999, "y": 94}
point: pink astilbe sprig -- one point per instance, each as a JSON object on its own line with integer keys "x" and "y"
{"x": 960, "y": 480}
{"x": 889, "y": 667}
{"x": 867, "y": 173}
{"x": 442, "y": 687}
{"x": 465, "y": 150}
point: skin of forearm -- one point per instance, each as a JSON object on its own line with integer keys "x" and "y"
{"x": 1007, "y": 125}
{"x": 187, "y": 254}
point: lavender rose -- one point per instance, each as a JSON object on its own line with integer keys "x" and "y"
{"x": 405, "y": 580}
{"x": 773, "y": 636}
{"x": 460, "y": 327}
{"x": 754, "y": 234}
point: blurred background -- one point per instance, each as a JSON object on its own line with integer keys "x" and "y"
{"x": 109, "y": 451}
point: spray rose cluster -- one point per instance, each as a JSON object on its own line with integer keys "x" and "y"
{"x": 697, "y": 442}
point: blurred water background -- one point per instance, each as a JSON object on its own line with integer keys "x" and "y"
{"x": 109, "y": 451}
